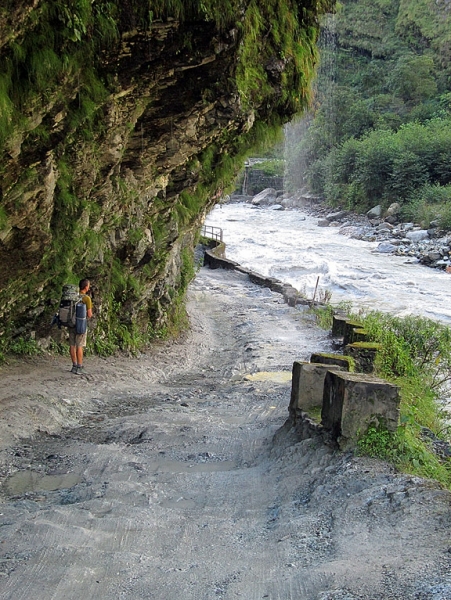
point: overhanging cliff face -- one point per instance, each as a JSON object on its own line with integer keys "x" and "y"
{"x": 118, "y": 132}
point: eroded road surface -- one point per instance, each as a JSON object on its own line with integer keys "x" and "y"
{"x": 175, "y": 475}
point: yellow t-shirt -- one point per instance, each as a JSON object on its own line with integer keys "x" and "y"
{"x": 87, "y": 300}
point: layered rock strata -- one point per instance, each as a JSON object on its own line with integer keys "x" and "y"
{"x": 121, "y": 125}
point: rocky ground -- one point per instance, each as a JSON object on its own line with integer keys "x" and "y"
{"x": 431, "y": 247}
{"x": 177, "y": 475}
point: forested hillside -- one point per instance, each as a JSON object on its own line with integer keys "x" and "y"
{"x": 381, "y": 128}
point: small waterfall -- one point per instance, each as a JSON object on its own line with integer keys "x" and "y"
{"x": 297, "y": 151}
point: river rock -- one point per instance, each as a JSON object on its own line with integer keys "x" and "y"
{"x": 384, "y": 227}
{"x": 323, "y": 223}
{"x": 265, "y": 197}
{"x": 386, "y": 247}
{"x": 375, "y": 212}
{"x": 393, "y": 209}
{"x": 418, "y": 235}
{"x": 336, "y": 216}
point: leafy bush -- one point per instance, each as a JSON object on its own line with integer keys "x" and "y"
{"x": 24, "y": 347}
{"x": 274, "y": 167}
{"x": 429, "y": 203}
{"x": 412, "y": 346}
{"x": 388, "y": 166}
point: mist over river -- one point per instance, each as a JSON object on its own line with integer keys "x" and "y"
{"x": 289, "y": 246}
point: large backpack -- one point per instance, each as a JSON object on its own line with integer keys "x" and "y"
{"x": 72, "y": 310}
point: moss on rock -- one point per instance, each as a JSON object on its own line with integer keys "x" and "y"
{"x": 120, "y": 126}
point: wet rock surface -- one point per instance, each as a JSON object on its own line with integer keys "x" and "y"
{"x": 431, "y": 247}
{"x": 177, "y": 475}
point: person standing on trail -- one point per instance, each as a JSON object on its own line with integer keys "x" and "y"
{"x": 77, "y": 341}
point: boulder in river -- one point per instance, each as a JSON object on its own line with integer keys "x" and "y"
{"x": 393, "y": 210}
{"x": 336, "y": 216}
{"x": 265, "y": 197}
{"x": 386, "y": 247}
{"x": 375, "y": 212}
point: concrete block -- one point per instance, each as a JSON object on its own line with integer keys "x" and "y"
{"x": 349, "y": 332}
{"x": 354, "y": 401}
{"x": 307, "y": 386}
{"x": 346, "y": 362}
{"x": 364, "y": 355}
{"x": 338, "y": 326}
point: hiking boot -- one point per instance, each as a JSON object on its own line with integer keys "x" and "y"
{"x": 81, "y": 371}
{"x": 74, "y": 369}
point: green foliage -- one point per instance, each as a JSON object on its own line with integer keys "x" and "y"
{"x": 387, "y": 166}
{"x": 415, "y": 355}
{"x": 382, "y": 128}
{"x": 278, "y": 29}
{"x": 378, "y": 443}
{"x": 324, "y": 315}
{"x": 411, "y": 346}
{"x": 413, "y": 78}
{"x": 187, "y": 271}
{"x": 24, "y": 347}
{"x": 274, "y": 167}
{"x": 429, "y": 203}
{"x": 407, "y": 450}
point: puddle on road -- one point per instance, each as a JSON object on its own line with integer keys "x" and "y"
{"x": 277, "y": 376}
{"x": 30, "y": 481}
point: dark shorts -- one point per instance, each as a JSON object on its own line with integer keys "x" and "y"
{"x": 76, "y": 339}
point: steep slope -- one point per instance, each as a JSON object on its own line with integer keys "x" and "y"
{"x": 121, "y": 123}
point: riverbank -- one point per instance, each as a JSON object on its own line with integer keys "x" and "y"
{"x": 176, "y": 474}
{"x": 429, "y": 247}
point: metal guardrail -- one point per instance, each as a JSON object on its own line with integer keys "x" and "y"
{"x": 212, "y": 233}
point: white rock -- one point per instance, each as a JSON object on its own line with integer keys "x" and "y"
{"x": 417, "y": 236}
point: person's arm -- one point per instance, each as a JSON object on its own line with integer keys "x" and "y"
{"x": 87, "y": 300}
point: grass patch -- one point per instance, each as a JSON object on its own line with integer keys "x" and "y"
{"x": 415, "y": 355}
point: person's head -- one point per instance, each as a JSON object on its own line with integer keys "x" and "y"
{"x": 84, "y": 285}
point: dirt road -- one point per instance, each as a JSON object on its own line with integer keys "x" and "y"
{"x": 175, "y": 475}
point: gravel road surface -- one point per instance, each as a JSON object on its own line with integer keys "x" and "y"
{"x": 176, "y": 475}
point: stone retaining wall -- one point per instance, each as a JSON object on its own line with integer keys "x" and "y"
{"x": 214, "y": 257}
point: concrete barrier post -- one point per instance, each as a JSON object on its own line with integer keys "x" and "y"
{"x": 307, "y": 386}
{"x": 354, "y": 401}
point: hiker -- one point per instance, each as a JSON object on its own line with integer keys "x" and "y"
{"x": 77, "y": 341}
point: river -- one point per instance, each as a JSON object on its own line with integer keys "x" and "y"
{"x": 290, "y": 246}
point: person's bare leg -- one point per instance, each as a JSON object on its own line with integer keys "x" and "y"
{"x": 73, "y": 354}
{"x": 80, "y": 356}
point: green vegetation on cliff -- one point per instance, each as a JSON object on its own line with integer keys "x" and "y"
{"x": 121, "y": 123}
